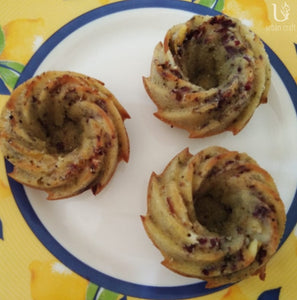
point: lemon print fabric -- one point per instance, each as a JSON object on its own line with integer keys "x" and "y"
{"x": 22, "y": 38}
{"x": 19, "y": 39}
{"x": 252, "y": 12}
{"x": 51, "y": 280}
{"x": 234, "y": 293}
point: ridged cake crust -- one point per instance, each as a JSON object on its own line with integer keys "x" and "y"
{"x": 216, "y": 215}
{"x": 208, "y": 76}
{"x": 64, "y": 133}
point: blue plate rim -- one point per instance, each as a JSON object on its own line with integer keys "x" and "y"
{"x": 27, "y": 211}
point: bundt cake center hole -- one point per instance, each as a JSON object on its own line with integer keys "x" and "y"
{"x": 64, "y": 139}
{"x": 60, "y": 137}
{"x": 201, "y": 69}
{"x": 201, "y": 60}
{"x": 211, "y": 213}
{"x": 214, "y": 210}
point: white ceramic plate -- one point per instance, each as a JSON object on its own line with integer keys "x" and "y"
{"x": 101, "y": 237}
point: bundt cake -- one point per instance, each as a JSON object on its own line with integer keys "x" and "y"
{"x": 64, "y": 133}
{"x": 208, "y": 76}
{"x": 216, "y": 215}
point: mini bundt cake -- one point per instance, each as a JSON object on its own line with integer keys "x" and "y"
{"x": 209, "y": 76}
{"x": 63, "y": 132}
{"x": 216, "y": 215}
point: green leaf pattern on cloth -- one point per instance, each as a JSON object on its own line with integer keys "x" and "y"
{"x": 108, "y": 295}
{"x": 218, "y": 5}
{"x": 2, "y": 40}
{"x": 94, "y": 292}
{"x": 10, "y": 77}
{"x": 13, "y": 65}
{"x": 9, "y": 70}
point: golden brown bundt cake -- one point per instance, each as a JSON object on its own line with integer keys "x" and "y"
{"x": 216, "y": 215}
{"x": 64, "y": 133}
{"x": 208, "y": 76}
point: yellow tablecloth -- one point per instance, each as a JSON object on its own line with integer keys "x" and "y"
{"x": 27, "y": 269}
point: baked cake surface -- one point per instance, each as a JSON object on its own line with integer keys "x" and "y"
{"x": 64, "y": 133}
{"x": 216, "y": 215}
{"x": 209, "y": 75}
